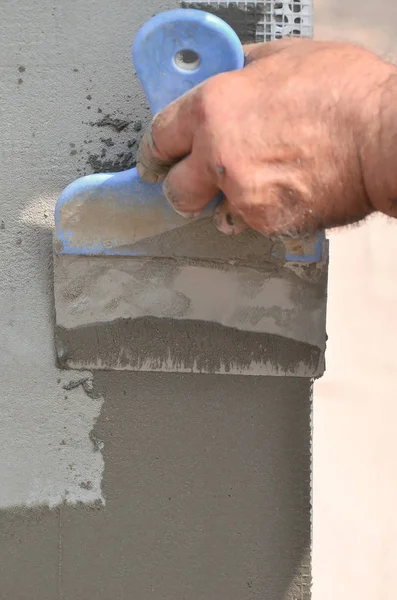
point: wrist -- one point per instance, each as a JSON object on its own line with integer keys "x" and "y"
{"x": 378, "y": 146}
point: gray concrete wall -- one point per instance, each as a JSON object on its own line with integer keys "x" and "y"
{"x": 122, "y": 485}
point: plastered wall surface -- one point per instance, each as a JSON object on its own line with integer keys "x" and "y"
{"x": 120, "y": 484}
{"x": 355, "y": 410}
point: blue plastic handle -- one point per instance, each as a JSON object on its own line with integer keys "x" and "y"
{"x": 172, "y": 53}
{"x": 162, "y": 43}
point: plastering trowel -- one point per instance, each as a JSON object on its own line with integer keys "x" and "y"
{"x": 139, "y": 287}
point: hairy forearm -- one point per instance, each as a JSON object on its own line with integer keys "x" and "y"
{"x": 303, "y": 138}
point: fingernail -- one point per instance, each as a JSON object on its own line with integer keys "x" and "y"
{"x": 147, "y": 174}
{"x": 173, "y": 202}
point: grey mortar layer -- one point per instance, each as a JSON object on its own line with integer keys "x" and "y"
{"x": 153, "y": 344}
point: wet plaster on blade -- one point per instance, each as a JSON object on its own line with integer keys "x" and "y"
{"x": 150, "y": 344}
{"x": 131, "y": 229}
{"x": 201, "y": 239}
{"x": 176, "y": 315}
{"x": 91, "y": 290}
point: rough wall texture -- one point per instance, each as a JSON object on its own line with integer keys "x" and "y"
{"x": 207, "y": 492}
{"x": 206, "y": 481}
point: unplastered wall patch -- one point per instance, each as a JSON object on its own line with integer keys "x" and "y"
{"x": 48, "y": 453}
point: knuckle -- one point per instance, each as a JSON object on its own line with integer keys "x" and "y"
{"x": 268, "y": 206}
{"x": 150, "y": 138}
{"x": 210, "y": 98}
{"x": 283, "y": 209}
{"x": 151, "y": 166}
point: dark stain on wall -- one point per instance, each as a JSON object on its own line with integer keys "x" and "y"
{"x": 243, "y": 20}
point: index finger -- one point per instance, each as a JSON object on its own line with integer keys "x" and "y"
{"x": 168, "y": 138}
{"x": 256, "y": 51}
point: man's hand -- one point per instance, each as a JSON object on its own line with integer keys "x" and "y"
{"x": 298, "y": 140}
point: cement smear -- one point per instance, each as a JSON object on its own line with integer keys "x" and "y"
{"x": 152, "y": 344}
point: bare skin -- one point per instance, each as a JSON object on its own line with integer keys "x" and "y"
{"x": 303, "y": 138}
